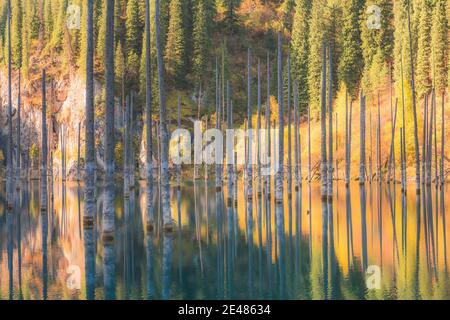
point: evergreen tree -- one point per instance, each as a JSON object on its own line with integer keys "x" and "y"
{"x": 175, "y": 46}
{"x": 424, "y": 49}
{"x": 16, "y": 33}
{"x": 120, "y": 17}
{"x": 439, "y": 44}
{"x": 300, "y": 50}
{"x": 34, "y": 24}
{"x": 201, "y": 39}
{"x": 351, "y": 62}
{"x": 134, "y": 27}
{"x": 316, "y": 37}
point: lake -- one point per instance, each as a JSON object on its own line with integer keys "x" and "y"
{"x": 376, "y": 243}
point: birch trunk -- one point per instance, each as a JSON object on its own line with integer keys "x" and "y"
{"x": 108, "y": 209}
{"x": 165, "y": 192}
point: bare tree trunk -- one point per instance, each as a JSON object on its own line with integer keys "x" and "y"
{"x": 167, "y": 215}
{"x": 108, "y": 209}
{"x": 436, "y": 176}
{"x": 430, "y": 143}
{"x": 258, "y": 136}
{"x": 230, "y": 149}
{"x": 267, "y": 116}
{"x": 323, "y": 127}
{"x": 89, "y": 196}
{"x": 132, "y": 162}
{"x": 296, "y": 139}
{"x": 78, "y": 151}
{"x": 416, "y": 135}
{"x": 424, "y": 138}
{"x": 402, "y": 160}
{"x": 9, "y": 164}
{"x": 337, "y": 146}
{"x": 249, "y": 127}
{"x": 44, "y": 148}
{"x": 347, "y": 146}
{"x": 218, "y": 166}
{"x": 126, "y": 149}
{"x": 18, "y": 159}
{"x": 370, "y": 146}
{"x": 309, "y": 143}
{"x": 442, "y": 180}
{"x": 330, "y": 126}
{"x": 403, "y": 150}
{"x": 379, "y": 178}
{"x": 289, "y": 142}
{"x": 391, "y": 162}
{"x": 280, "y": 171}
{"x": 350, "y": 137}
{"x": 362, "y": 128}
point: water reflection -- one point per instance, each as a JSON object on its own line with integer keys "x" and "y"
{"x": 302, "y": 248}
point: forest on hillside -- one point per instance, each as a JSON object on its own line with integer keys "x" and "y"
{"x": 369, "y": 39}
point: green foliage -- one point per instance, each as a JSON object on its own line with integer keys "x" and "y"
{"x": 118, "y": 153}
{"x": 439, "y": 44}
{"x": 34, "y": 152}
{"x": 351, "y": 62}
{"x": 300, "y": 50}
{"x": 201, "y": 37}
{"x": 424, "y": 49}
{"x": 16, "y": 32}
{"x": 176, "y": 44}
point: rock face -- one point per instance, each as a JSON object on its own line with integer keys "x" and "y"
{"x": 65, "y": 112}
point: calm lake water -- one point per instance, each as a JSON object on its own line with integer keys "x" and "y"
{"x": 376, "y": 244}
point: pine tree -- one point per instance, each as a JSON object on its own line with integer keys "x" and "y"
{"x": 300, "y": 50}
{"x": 201, "y": 39}
{"x": 16, "y": 32}
{"x": 134, "y": 27}
{"x": 351, "y": 62}
{"x": 175, "y": 46}
{"x": 424, "y": 49}
{"x": 316, "y": 37}
{"x": 439, "y": 45}
{"x": 120, "y": 17}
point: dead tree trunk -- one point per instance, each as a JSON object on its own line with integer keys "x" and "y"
{"x": 323, "y": 126}
{"x": 44, "y": 148}
{"x": 249, "y": 127}
{"x": 280, "y": 171}
{"x": 362, "y": 133}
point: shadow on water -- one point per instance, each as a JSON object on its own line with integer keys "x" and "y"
{"x": 302, "y": 248}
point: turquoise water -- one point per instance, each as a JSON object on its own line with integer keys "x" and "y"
{"x": 376, "y": 244}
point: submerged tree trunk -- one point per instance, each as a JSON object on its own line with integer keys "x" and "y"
{"x": 416, "y": 134}
{"x": 391, "y": 161}
{"x": 430, "y": 143}
{"x": 165, "y": 191}
{"x": 89, "y": 196}
{"x": 267, "y": 117}
{"x": 108, "y": 209}
{"x": 258, "y": 131}
{"x": 249, "y": 127}
{"x": 424, "y": 138}
{"x": 230, "y": 149}
{"x": 289, "y": 116}
{"x": 9, "y": 159}
{"x": 44, "y": 147}
{"x": 280, "y": 171}
{"x": 442, "y": 178}
{"x": 379, "y": 178}
{"x": 296, "y": 139}
{"x": 18, "y": 159}
{"x": 218, "y": 164}
{"x": 330, "y": 125}
{"x": 347, "y": 146}
{"x": 323, "y": 126}
{"x": 362, "y": 128}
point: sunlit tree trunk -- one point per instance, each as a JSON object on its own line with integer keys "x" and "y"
{"x": 44, "y": 147}
{"x": 289, "y": 119}
{"x": 258, "y": 131}
{"x": 89, "y": 196}
{"x": 442, "y": 178}
{"x": 347, "y": 146}
{"x": 179, "y": 142}
{"x": 362, "y": 133}
{"x": 330, "y": 124}
{"x": 379, "y": 178}
{"x": 230, "y": 150}
{"x": 165, "y": 192}
{"x": 108, "y": 209}
{"x": 78, "y": 151}
{"x": 309, "y": 143}
{"x": 416, "y": 135}
{"x": 298, "y": 180}
{"x": 18, "y": 159}
{"x": 323, "y": 126}
{"x": 249, "y": 127}
{"x": 267, "y": 118}
{"x": 9, "y": 164}
{"x": 280, "y": 171}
